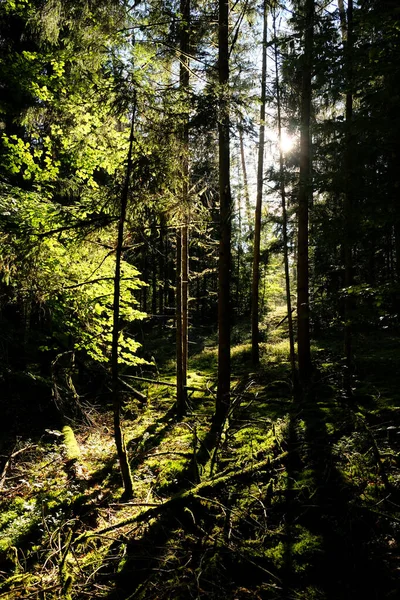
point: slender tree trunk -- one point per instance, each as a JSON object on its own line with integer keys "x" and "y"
{"x": 245, "y": 183}
{"x": 154, "y": 289}
{"x": 249, "y": 216}
{"x": 239, "y": 248}
{"x": 255, "y": 350}
{"x": 397, "y": 245}
{"x": 225, "y": 201}
{"x": 284, "y": 215}
{"x": 185, "y": 314}
{"x": 305, "y": 192}
{"x": 161, "y": 289}
{"x": 182, "y": 330}
{"x": 118, "y": 434}
{"x": 348, "y": 198}
{"x": 342, "y": 16}
{"x": 143, "y": 294}
{"x": 180, "y": 399}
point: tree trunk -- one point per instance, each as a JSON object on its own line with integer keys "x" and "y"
{"x": 238, "y": 302}
{"x": 348, "y": 197}
{"x": 225, "y": 201}
{"x": 154, "y": 287}
{"x": 245, "y": 184}
{"x": 182, "y": 315}
{"x": 255, "y": 350}
{"x": 162, "y": 270}
{"x": 305, "y": 192}
{"x": 118, "y": 434}
{"x": 284, "y": 215}
{"x": 180, "y": 399}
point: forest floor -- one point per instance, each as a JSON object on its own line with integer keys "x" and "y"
{"x": 291, "y": 500}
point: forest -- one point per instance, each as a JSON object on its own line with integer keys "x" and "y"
{"x": 199, "y": 299}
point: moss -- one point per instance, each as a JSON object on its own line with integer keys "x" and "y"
{"x": 25, "y": 579}
{"x": 18, "y": 521}
{"x": 277, "y": 555}
{"x": 302, "y": 547}
{"x": 72, "y": 451}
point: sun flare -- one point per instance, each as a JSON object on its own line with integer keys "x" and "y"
{"x": 287, "y": 142}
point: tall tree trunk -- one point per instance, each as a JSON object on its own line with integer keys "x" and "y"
{"x": 348, "y": 197}
{"x": 154, "y": 288}
{"x": 180, "y": 399}
{"x": 239, "y": 249}
{"x": 255, "y": 350}
{"x": 162, "y": 271}
{"x": 225, "y": 201}
{"x": 245, "y": 183}
{"x": 118, "y": 434}
{"x": 305, "y": 193}
{"x": 249, "y": 218}
{"x": 397, "y": 245}
{"x": 284, "y": 214}
{"x": 144, "y": 289}
{"x": 182, "y": 315}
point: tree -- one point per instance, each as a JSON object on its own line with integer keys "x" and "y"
{"x": 284, "y": 210}
{"x": 255, "y": 351}
{"x": 305, "y": 193}
{"x": 183, "y": 229}
{"x": 225, "y": 202}
{"x": 119, "y": 438}
{"x": 347, "y": 30}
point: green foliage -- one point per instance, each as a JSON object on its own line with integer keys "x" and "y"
{"x": 67, "y": 280}
{"x": 17, "y": 522}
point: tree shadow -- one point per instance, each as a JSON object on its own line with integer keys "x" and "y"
{"x": 342, "y": 565}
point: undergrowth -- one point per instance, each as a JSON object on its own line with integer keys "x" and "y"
{"x": 296, "y": 500}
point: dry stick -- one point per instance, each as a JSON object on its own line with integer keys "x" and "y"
{"x": 168, "y": 383}
{"x": 122, "y": 504}
{"x": 135, "y": 393}
{"x": 148, "y": 380}
{"x": 193, "y": 493}
{"x": 284, "y": 319}
{"x": 11, "y": 456}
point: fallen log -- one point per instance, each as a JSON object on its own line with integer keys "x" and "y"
{"x": 192, "y": 494}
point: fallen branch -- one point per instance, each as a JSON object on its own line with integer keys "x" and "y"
{"x": 135, "y": 393}
{"x": 9, "y": 459}
{"x": 167, "y": 383}
{"x": 148, "y": 380}
{"x": 193, "y": 493}
{"x": 122, "y": 504}
{"x": 283, "y": 320}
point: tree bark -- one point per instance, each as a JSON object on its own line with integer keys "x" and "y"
{"x": 118, "y": 434}
{"x": 305, "y": 193}
{"x": 348, "y": 197}
{"x": 255, "y": 350}
{"x": 225, "y": 201}
{"x": 284, "y": 215}
{"x": 180, "y": 400}
{"x": 183, "y": 281}
{"x": 245, "y": 183}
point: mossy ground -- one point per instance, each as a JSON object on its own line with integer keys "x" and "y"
{"x": 320, "y": 523}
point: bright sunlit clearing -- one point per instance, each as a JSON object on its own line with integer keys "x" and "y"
{"x": 288, "y": 141}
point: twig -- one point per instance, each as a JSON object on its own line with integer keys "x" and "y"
{"x": 8, "y": 461}
{"x": 122, "y": 504}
